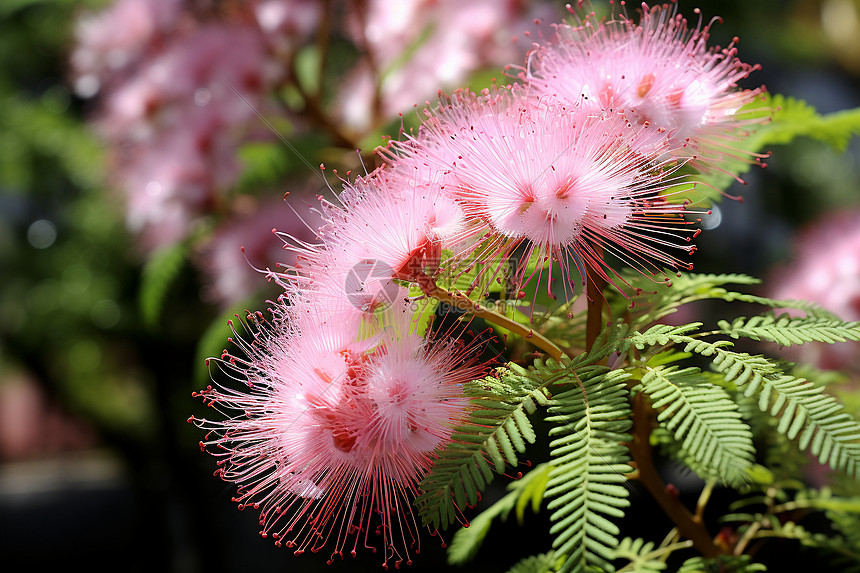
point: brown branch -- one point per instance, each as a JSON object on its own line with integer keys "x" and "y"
{"x": 689, "y": 526}
{"x": 314, "y": 113}
{"x": 596, "y": 300}
{"x": 322, "y": 41}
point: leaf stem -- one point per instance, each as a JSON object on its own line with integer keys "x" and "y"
{"x": 704, "y": 498}
{"x": 752, "y": 531}
{"x": 689, "y": 526}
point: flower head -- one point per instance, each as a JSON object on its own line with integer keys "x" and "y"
{"x": 385, "y": 229}
{"x": 565, "y": 182}
{"x": 334, "y": 432}
{"x": 660, "y": 72}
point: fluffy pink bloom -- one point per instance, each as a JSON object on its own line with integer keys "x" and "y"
{"x": 562, "y": 180}
{"x": 386, "y": 228}
{"x": 330, "y": 434}
{"x": 825, "y": 269}
{"x": 659, "y": 72}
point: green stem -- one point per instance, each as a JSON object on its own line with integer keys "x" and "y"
{"x": 704, "y": 498}
{"x": 752, "y": 531}
{"x": 462, "y": 302}
{"x": 793, "y": 505}
{"x": 322, "y": 42}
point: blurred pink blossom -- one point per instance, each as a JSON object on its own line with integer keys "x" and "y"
{"x": 115, "y": 38}
{"x": 287, "y": 23}
{"x": 415, "y": 48}
{"x": 32, "y": 425}
{"x": 175, "y": 108}
{"x": 231, "y": 274}
{"x": 825, "y": 269}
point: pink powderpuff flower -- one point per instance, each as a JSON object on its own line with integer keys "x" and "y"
{"x": 825, "y": 269}
{"x": 659, "y": 72}
{"x": 562, "y": 181}
{"x": 385, "y": 229}
{"x": 330, "y": 435}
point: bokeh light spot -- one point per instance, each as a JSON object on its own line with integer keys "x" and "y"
{"x": 42, "y": 234}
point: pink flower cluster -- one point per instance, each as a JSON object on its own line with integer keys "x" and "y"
{"x": 179, "y": 95}
{"x": 336, "y": 426}
{"x": 346, "y": 401}
{"x": 446, "y": 40}
{"x": 178, "y": 87}
{"x": 660, "y": 71}
{"x": 825, "y": 269}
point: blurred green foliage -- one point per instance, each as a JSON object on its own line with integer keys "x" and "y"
{"x": 67, "y": 273}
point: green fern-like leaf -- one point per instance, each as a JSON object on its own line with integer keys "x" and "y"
{"x": 721, "y": 564}
{"x": 787, "y": 330}
{"x": 587, "y": 482}
{"x": 655, "y": 301}
{"x": 497, "y": 430}
{"x": 663, "y": 336}
{"x": 809, "y": 415}
{"x": 815, "y": 419}
{"x": 543, "y": 563}
{"x": 779, "y": 455}
{"x": 704, "y": 419}
{"x": 527, "y": 490}
{"x": 809, "y": 308}
{"x": 641, "y": 556}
